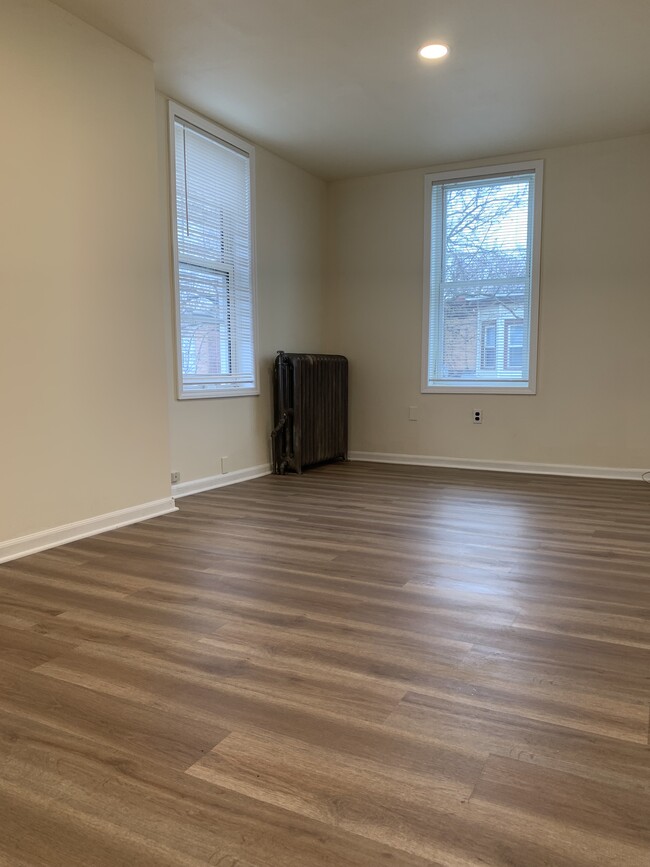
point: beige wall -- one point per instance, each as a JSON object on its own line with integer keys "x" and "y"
{"x": 83, "y": 427}
{"x": 290, "y": 209}
{"x": 86, "y": 370}
{"x": 593, "y": 402}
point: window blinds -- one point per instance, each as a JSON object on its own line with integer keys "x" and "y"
{"x": 481, "y": 281}
{"x": 215, "y": 304}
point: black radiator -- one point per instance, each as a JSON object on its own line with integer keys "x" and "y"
{"x": 311, "y": 410}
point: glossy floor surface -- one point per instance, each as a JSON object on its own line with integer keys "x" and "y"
{"x": 366, "y": 665}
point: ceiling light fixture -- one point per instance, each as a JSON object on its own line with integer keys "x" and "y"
{"x": 434, "y": 51}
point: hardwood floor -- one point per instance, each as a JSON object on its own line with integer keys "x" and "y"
{"x": 364, "y": 665}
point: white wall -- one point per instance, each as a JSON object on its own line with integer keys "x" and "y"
{"x": 290, "y": 211}
{"x": 593, "y": 402}
{"x": 83, "y": 428}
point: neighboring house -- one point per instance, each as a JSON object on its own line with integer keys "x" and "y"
{"x": 484, "y": 337}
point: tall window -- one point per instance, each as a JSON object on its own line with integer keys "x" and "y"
{"x": 482, "y": 281}
{"x": 212, "y": 180}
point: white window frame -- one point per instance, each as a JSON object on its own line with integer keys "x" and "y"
{"x": 212, "y": 129}
{"x": 490, "y": 387}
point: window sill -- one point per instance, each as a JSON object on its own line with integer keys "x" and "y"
{"x": 473, "y": 388}
{"x": 208, "y": 395}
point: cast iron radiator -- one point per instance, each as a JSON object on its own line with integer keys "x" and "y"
{"x": 311, "y": 410}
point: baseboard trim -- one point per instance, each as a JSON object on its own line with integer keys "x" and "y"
{"x": 199, "y": 486}
{"x": 500, "y": 466}
{"x": 41, "y": 541}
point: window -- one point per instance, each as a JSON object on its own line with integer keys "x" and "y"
{"x": 489, "y": 346}
{"x": 482, "y": 279}
{"x": 514, "y": 345}
{"x": 212, "y": 183}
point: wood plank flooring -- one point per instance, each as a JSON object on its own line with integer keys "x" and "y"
{"x": 366, "y": 665}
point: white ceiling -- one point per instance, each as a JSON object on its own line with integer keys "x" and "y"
{"x": 336, "y": 85}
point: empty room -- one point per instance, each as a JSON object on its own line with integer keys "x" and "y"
{"x": 325, "y": 432}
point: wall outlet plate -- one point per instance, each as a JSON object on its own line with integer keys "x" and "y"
{"x": 176, "y": 477}
{"x": 477, "y": 416}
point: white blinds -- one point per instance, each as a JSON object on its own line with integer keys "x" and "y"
{"x": 481, "y": 281}
{"x": 215, "y": 304}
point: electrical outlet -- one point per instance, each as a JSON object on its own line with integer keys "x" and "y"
{"x": 477, "y": 416}
{"x": 413, "y": 413}
{"x": 225, "y": 461}
{"x": 176, "y": 477}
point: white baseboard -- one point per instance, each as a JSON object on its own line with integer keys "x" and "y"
{"x": 44, "y": 539}
{"x": 500, "y": 466}
{"x": 198, "y": 486}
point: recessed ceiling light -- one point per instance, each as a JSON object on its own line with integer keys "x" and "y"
{"x": 434, "y": 51}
